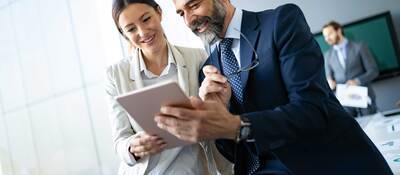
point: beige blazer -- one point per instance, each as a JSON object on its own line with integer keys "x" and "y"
{"x": 118, "y": 81}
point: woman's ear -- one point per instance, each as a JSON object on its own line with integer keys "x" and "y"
{"x": 159, "y": 12}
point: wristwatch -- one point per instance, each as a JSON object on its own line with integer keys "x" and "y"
{"x": 244, "y": 131}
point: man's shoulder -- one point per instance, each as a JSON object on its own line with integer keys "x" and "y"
{"x": 356, "y": 43}
{"x": 280, "y": 9}
{"x": 284, "y": 14}
{"x": 284, "y": 7}
{"x": 183, "y": 49}
{"x": 190, "y": 52}
{"x": 329, "y": 53}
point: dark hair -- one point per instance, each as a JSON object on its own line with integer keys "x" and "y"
{"x": 335, "y": 26}
{"x": 119, "y": 5}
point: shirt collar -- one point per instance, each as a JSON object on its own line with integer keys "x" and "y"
{"x": 234, "y": 27}
{"x": 341, "y": 45}
{"x": 143, "y": 68}
{"x": 236, "y": 23}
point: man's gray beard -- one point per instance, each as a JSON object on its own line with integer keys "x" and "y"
{"x": 211, "y": 36}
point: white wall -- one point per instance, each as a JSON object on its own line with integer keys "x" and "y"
{"x": 319, "y": 12}
{"x": 53, "y": 115}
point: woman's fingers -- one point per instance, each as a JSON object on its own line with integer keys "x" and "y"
{"x": 147, "y": 145}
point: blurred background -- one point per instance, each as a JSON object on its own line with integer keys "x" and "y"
{"x": 53, "y": 55}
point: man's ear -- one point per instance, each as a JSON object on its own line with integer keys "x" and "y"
{"x": 225, "y": 2}
{"x": 340, "y": 30}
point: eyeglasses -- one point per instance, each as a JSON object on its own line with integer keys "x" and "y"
{"x": 254, "y": 63}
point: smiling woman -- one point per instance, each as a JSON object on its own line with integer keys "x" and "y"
{"x": 154, "y": 60}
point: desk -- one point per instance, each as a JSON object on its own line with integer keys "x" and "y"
{"x": 385, "y": 133}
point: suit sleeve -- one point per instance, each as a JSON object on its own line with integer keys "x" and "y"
{"x": 302, "y": 71}
{"x": 370, "y": 67}
{"x": 121, "y": 129}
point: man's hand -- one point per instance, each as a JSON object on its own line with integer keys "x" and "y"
{"x": 332, "y": 83}
{"x": 207, "y": 121}
{"x": 352, "y": 82}
{"x": 214, "y": 86}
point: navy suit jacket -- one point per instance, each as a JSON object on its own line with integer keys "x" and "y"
{"x": 296, "y": 121}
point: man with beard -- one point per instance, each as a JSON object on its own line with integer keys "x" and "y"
{"x": 351, "y": 63}
{"x": 265, "y": 97}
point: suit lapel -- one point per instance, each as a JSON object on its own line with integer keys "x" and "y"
{"x": 335, "y": 59}
{"x": 251, "y": 32}
{"x": 350, "y": 54}
{"x": 214, "y": 59}
{"x": 183, "y": 74}
{"x": 135, "y": 69}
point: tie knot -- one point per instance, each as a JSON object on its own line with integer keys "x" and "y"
{"x": 226, "y": 43}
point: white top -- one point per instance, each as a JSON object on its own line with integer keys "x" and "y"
{"x": 180, "y": 160}
{"x": 119, "y": 81}
{"x": 169, "y": 72}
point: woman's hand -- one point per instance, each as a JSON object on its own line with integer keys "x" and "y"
{"x": 142, "y": 145}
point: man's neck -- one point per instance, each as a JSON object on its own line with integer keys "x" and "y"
{"x": 341, "y": 40}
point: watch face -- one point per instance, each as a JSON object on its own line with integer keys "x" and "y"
{"x": 244, "y": 132}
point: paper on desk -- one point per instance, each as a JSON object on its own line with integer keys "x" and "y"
{"x": 352, "y": 96}
{"x": 389, "y": 145}
{"x": 393, "y": 127}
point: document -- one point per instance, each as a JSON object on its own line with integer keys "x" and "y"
{"x": 352, "y": 96}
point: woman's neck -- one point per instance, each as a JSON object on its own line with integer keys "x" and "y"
{"x": 156, "y": 61}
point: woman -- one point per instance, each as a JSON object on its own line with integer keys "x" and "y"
{"x": 154, "y": 60}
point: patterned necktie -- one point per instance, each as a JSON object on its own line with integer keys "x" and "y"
{"x": 230, "y": 66}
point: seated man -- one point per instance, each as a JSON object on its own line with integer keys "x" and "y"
{"x": 348, "y": 62}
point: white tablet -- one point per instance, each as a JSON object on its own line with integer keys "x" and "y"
{"x": 143, "y": 104}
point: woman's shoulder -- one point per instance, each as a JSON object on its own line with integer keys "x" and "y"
{"x": 122, "y": 65}
{"x": 189, "y": 50}
{"x": 197, "y": 55}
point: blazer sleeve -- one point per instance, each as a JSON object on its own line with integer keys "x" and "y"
{"x": 201, "y": 59}
{"x": 121, "y": 128}
{"x": 370, "y": 67}
{"x": 302, "y": 71}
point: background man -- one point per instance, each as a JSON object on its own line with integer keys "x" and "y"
{"x": 348, "y": 62}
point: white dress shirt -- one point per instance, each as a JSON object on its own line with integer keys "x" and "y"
{"x": 233, "y": 31}
{"x": 169, "y": 72}
{"x": 341, "y": 51}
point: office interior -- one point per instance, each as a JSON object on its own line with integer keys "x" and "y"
{"x": 53, "y": 53}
